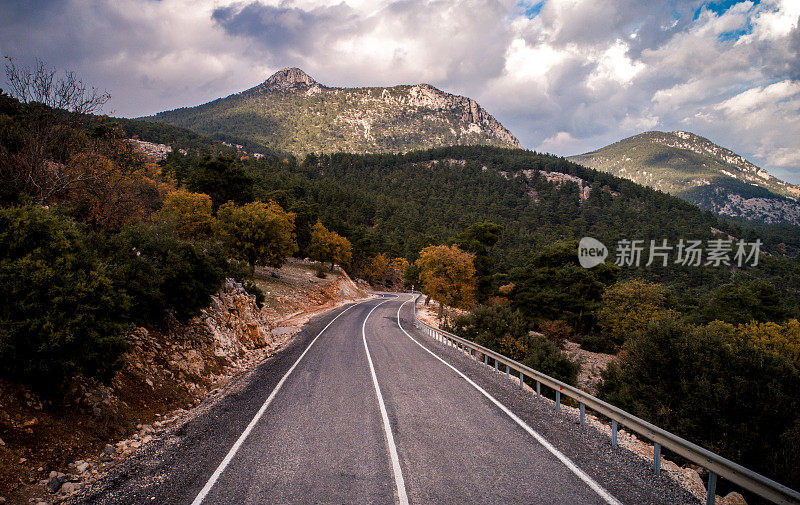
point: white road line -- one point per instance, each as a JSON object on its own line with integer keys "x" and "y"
{"x": 597, "y": 488}
{"x": 232, "y": 452}
{"x": 402, "y": 497}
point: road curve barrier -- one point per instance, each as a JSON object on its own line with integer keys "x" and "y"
{"x": 716, "y": 465}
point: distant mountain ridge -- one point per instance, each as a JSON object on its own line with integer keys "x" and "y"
{"x": 292, "y": 112}
{"x": 701, "y": 172}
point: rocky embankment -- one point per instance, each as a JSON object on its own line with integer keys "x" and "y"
{"x": 50, "y": 449}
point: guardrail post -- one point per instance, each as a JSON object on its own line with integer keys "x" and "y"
{"x": 508, "y": 372}
{"x": 711, "y": 495}
{"x": 558, "y": 400}
{"x": 485, "y": 359}
{"x": 656, "y": 458}
{"x": 520, "y": 380}
{"x": 583, "y": 414}
{"x": 538, "y": 388}
{"x": 613, "y": 433}
{"x": 495, "y": 366}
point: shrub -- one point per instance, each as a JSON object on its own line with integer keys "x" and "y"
{"x": 556, "y": 331}
{"x": 162, "y": 272}
{"x": 60, "y": 314}
{"x": 544, "y": 356}
{"x": 715, "y": 389}
{"x": 499, "y": 328}
{"x": 598, "y": 343}
{"x": 253, "y": 289}
{"x": 628, "y": 306}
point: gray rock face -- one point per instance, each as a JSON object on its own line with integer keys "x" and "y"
{"x": 56, "y": 480}
{"x": 288, "y": 77}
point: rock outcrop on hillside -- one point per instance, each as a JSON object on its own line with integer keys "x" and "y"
{"x": 703, "y": 173}
{"x": 292, "y": 112}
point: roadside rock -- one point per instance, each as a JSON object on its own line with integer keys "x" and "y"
{"x": 57, "y": 479}
{"x": 732, "y": 499}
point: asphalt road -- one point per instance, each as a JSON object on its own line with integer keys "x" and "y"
{"x": 363, "y": 408}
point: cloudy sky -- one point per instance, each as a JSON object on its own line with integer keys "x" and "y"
{"x": 565, "y": 76}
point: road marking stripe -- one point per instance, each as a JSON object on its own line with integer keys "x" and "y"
{"x": 402, "y": 497}
{"x": 597, "y": 488}
{"x": 232, "y": 452}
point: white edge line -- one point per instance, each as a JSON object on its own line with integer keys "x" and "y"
{"x": 400, "y": 483}
{"x": 235, "y": 448}
{"x": 597, "y": 488}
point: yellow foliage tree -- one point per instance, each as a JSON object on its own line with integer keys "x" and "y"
{"x": 257, "y": 232}
{"x": 191, "y": 213}
{"x": 447, "y": 275}
{"x": 378, "y": 269}
{"x": 328, "y": 245}
{"x": 629, "y": 305}
{"x": 782, "y": 339}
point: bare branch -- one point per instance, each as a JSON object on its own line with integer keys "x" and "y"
{"x": 40, "y": 84}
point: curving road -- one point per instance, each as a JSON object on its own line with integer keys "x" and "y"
{"x": 362, "y": 408}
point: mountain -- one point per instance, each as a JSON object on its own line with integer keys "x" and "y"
{"x": 291, "y": 112}
{"x": 701, "y": 172}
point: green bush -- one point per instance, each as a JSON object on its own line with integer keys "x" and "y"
{"x": 253, "y": 289}
{"x": 598, "y": 343}
{"x": 495, "y": 328}
{"x": 60, "y": 314}
{"x": 505, "y": 330}
{"x": 714, "y": 389}
{"x": 164, "y": 273}
{"x": 545, "y": 356}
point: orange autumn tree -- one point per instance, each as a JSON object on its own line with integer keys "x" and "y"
{"x": 384, "y": 271}
{"x": 328, "y": 245}
{"x": 189, "y": 212}
{"x": 447, "y": 275}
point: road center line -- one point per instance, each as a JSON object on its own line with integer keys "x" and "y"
{"x": 235, "y": 448}
{"x": 597, "y": 488}
{"x": 402, "y": 497}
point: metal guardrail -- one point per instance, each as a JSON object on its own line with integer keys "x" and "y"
{"x": 714, "y": 463}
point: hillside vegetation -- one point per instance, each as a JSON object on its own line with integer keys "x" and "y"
{"x": 700, "y": 172}
{"x": 291, "y": 112}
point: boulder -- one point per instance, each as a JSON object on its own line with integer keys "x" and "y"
{"x": 733, "y": 498}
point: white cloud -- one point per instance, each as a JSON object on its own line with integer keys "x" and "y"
{"x": 760, "y": 96}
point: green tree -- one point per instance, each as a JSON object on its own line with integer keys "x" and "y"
{"x": 743, "y": 301}
{"x": 161, "y": 272}
{"x": 555, "y": 286}
{"x": 257, "y": 232}
{"x": 479, "y": 239}
{"x": 223, "y": 178}
{"x": 329, "y": 246}
{"x": 60, "y": 314}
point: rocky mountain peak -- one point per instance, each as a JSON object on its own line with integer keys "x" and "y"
{"x": 288, "y": 77}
